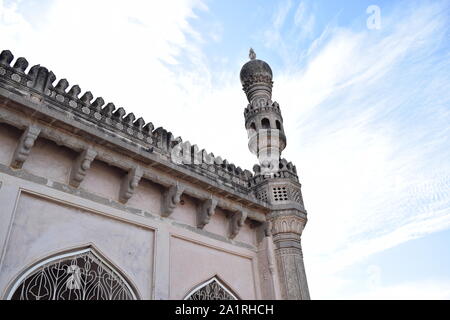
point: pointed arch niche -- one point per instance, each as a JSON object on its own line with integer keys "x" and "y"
{"x": 81, "y": 274}
{"x": 213, "y": 289}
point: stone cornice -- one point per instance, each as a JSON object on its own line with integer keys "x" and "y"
{"x": 62, "y": 113}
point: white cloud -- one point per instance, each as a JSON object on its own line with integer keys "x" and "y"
{"x": 435, "y": 289}
{"x": 144, "y": 56}
{"x": 281, "y": 14}
{"x": 303, "y": 20}
{"x": 365, "y": 186}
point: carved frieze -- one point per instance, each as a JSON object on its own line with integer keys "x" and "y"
{"x": 295, "y": 194}
{"x": 288, "y": 224}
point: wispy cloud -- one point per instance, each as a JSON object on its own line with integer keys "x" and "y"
{"x": 370, "y": 115}
{"x": 291, "y": 26}
{"x": 303, "y": 20}
{"x": 434, "y": 289}
{"x": 145, "y": 57}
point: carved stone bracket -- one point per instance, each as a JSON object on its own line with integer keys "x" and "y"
{"x": 236, "y": 222}
{"x": 24, "y": 147}
{"x": 171, "y": 198}
{"x": 81, "y": 166}
{"x": 205, "y": 212}
{"x": 130, "y": 183}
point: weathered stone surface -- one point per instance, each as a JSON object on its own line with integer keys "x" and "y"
{"x": 130, "y": 183}
{"x": 205, "y": 212}
{"x": 236, "y": 222}
{"x": 171, "y": 199}
{"x": 81, "y": 166}
{"x": 24, "y": 147}
{"x": 286, "y": 229}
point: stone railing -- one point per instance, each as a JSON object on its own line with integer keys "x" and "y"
{"x": 287, "y": 170}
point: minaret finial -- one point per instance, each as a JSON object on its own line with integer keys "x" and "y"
{"x": 252, "y": 54}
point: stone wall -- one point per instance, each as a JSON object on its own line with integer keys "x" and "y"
{"x": 43, "y": 215}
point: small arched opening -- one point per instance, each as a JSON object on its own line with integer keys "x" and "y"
{"x": 265, "y": 123}
{"x": 278, "y": 124}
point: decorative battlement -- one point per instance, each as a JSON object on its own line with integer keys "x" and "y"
{"x": 85, "y": 154}
{"x": 287, "y": 170}
{"x": 261, "y": 106}
{"x": 38, "y": 85}
{"x": 39, "y": 81}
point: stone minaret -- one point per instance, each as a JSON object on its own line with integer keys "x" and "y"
{"x": 275, "y": 180}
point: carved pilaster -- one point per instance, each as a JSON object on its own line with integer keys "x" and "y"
{"x": 129, "y": 184}
{"x": 236, "y": 222}
{"x": 23, "y": 149}
{"x": 267, "y": 264}
{"x": 171, "y": 198}
{"x": 292, "y": 274}
{"x": 81, "y": 166}
{"x": 205, "y": 212}
{"x": 287, "y": 230}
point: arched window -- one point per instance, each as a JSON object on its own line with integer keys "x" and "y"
{"x": 79, "y": 275}
{"x": 252, "y": 126}
{"x": 265, "y": 123}
{"x": 278, "y": 123}
{"x": 212, "y": 289}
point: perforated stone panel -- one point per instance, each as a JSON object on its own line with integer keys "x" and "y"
{"x": 262, "y": 195}
{"x": 280, "y": 194}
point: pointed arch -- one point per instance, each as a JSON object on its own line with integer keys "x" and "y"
{"x": 80, "y": 274}
{"x": 278, "y": 124}
{"x": 212, "y": 289}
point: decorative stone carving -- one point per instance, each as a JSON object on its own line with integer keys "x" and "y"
{"x": 205, "y": 212}
{"x": 41, "y": 79}
{"x": 292, "y": 274}
{"x": 236, "y": 222}
{"x": 267, "y": 229}
{"x": 23, "y": 149}
{"x": 295, "y": 195}
{"x": 171, "y": 199}
{"x": 39, "y": 85}
{"x": 287, "y": 230}
{"x": 270, "y": 287}
{"x": 129, "y": 184}
{"x": 211, "y": 290}
{"x": 82, "y": 275}
{"x": 288, "y": 224}
{"x": 81, "y": 166}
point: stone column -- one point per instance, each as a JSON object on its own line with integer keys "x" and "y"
{"x": 286, "y": 231}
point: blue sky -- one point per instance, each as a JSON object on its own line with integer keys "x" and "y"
{"x": 366, "y": 111}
